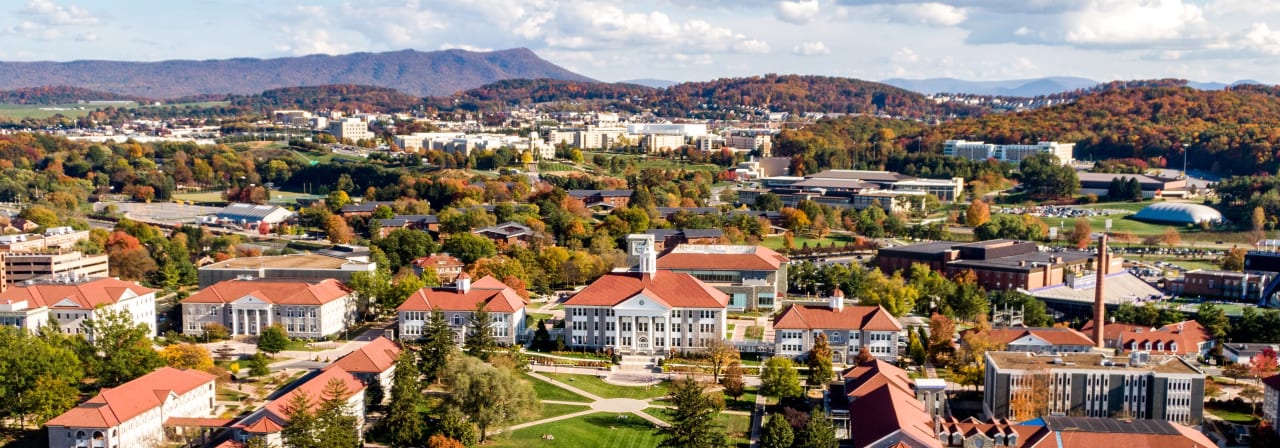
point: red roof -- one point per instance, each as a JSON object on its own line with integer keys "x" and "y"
{"x": 272, "y": 417}
{"x": 111, "y": 407}
{"x": 375, "y": 357}
{"x": 811, "y": 317}
{"x": 495, "y": 295}
{"x": 676, "y": 290}
{"x": 881, "y": 401}
{"x": 1189, "y": 335}
{"x": 279, "y": 292}
{"x": 1052, "y": 335}
{"x": 1027, "y": 435}
{"x": 84, "y": 296}
{"x": 716, "y": 258}
{"x": 438, "y": 260}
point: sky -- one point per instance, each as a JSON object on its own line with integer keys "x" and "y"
{"x": 613, "y": 40}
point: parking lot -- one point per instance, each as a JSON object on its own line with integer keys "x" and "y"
{"x": 160, "y": 212}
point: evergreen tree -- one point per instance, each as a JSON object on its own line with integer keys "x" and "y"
{"x": 777, "y": 433}
{"x": 1133, "y": 189}
{"x": 437, "y": 347}
{"x": 915, "y": 348}
{"x": 819, "y": 361}
{"x": 404, "y": 421}
{"x": 817, "y": 432}
{"x": 693, "y": 418}
{"x": 542, "y": 337}
{"x": 335, "y": 421}
{"x": 300, "y": 430}
{"x": 479, "y": 341}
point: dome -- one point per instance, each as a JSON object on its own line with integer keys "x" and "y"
{"x": 1178, "y": 213}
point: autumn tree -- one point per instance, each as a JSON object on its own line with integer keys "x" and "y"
{"x": 721, "y": 353}
{"x": 1263, "y": 364}
{"x": 337, "y": 229}
{"x": 1081, "y": 234}
{"x": 780, "y": 379}
{"x": 978, "y": 213}
{"x": 733, "y": 382}
{"x": 941, "y": 332}
{"x": 1031, "y": 398}
{"x": 1170, "y": 237}
{"x": 187, "y": 356}
{"x": 1233, "y": 259}
{"x": 819, "y": 361}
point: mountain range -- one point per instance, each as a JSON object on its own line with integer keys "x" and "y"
{"x": 1020, "y": 87}
{"x": 409, "y": 71}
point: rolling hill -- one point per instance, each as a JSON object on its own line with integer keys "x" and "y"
{"x": 409, "y": 71}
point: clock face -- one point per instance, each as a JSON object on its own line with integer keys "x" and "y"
{"x": 640, "y": 248}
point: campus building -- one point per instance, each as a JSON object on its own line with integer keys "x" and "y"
{"x": 754, "y": 277}
{"x": 374, "y": 364}
{"x": 1187, "y": 338}
{"x": 249, "y": 216}
{"x": 447, "y": 267}
{"x": 331, "y": 265}
{"x": 53, "y": 239}
{"x": 645, "y": 309}
{"x": 1152, "y": 186}
{"x": 606, "y": 199}
{"x": 999, "y": 264}
{"x": 848, "y": 329}
{"x": 459, "y": 303}
{"x": 72, "y": 302}
{"x": 1139, "y": 386}
{"x": 305, "y": 309}
{"x": 1008, "y": 153}
{"x": 136, "y": 413}
{"x": 1039, "y": 340}
{"x": 269, "y": 421}
{"x": 49, "y": 266}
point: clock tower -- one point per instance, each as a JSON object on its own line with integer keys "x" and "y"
{"x": 641, "y": 253}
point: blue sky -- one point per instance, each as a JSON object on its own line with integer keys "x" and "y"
{"x": 1203, "y": 40}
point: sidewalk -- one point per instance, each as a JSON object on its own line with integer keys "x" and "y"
{"x": 757, "y": 420}
{"x": 566, "y": 386}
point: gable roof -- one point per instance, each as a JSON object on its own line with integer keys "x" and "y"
{"x": 721, "y": 257}
{"x": 442, "y": 260}
{"x": 815, "y": 317}
{"x": 883, "y": 404}
{"x": 83, "y": 296}
{"x": 1051, "y": 335}
{"x": 280, "y": 292}
{"x": 495, "y": 295}
{"x": 375, "y": 357}
{"x": 1189, "y": 335}
{"x": 113, "y": 406}
{"x": 272, "y": 417}
{"x": 677, "y": 290}
{"x": 507, "y": 229}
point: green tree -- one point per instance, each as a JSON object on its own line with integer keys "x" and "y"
{"x": 489, "y": 396}
{"x": 915, "y": 348}
{"x": 817, "y": 432}
{"x": 259, "y": 365}
{"x": 118, "y": 350}
{"x": 779, "y": 378}
{"x": 438, "y": 347}
{"x": 479, "y": 341}
{"x": 469, "y": 247}
{"x": 38, "y": 375}
{"x": 336, "y": 423}
{"x": 777, "y": 433}
{"x": 693, "y": 418}
{"x": 301, "y": 429}
{"x": 402, "y": 246}
{"x": 273, "y": 339}
{"x": 819, "y": 361}
{"x": 1215, "y": 321}
{"x": 1045, "y": 177}
{"x": 404, "y": 420}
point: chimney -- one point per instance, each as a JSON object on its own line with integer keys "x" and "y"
{"x": 1100, "y": 306}
{"x": 837, "y": 300}
{"x": 641, "y": 253}
{"x": 463, "y": 283}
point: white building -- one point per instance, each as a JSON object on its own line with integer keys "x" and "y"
{"x": 680, "y": 129}
{"x": 72, "y": 303}
{"x": 136, "y": 413}
{"x": 307, "y": 310}
{"x": 249, "y": 216}
{"x": 848, "y": 329}
{"x": 375, "y": 362}
{"x": 459, "y": 303}
{"x": 1007, "y": 153}
{"x": 352, "y": 129}
{"x": 646, "y": 310}
{"x": 268, "y": 421}
{"x": 662, "y": 142}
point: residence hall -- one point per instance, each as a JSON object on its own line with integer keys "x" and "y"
{"x": 848, "y": 328}
{"x": 459, "y": 303}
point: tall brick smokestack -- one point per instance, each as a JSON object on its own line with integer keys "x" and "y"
{"x": 1100, "y": 306}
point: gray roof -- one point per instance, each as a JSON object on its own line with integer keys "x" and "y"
{"x": 867, "y": 176}
{"x": 1110, "y": 425}
{"x": 247, "y": 212}
{"x": 1178, "y": 213}
{"x": 605, "y": 193}
{"x": 367, "y": 206}
{"x": 507, "y": 229}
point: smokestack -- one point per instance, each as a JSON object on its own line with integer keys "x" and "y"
{"x": 1099, "y": 306}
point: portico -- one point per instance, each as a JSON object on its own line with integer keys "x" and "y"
{"x": 250, "y": 315}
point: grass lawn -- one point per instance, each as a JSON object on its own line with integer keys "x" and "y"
{"x": 226, "y": 394}
{"x": 555, "y": 166}
{"x": 277, "y": 197}
{"x": 553, "y": 410}
{"x": 596, "y": 386}
{"x": 755, "y": 333}
{"x": 737, "y": 427}
{"x": 747, "y": 402}
{"x": 728, "y": 331}
{"x": 775, "y": 242}
{"x": 588, "y": 431}
{"x": 533, "y": 319}
{"x": 548, "y": 391}
{"x": 1243, "y": 418}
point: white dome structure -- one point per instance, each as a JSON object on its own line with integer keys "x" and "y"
{"x": 1178, "y": 213}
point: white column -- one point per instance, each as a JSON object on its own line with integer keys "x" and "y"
{"x": 635, "y": 332}
{"x": 235, "y": 321}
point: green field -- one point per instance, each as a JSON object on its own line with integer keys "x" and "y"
{"x": 1232, "y": 416}
{"x": 41, "y": 111}
{"x": 736, "y": 426}
{"x": 588, "y": 431}
{"x": 277, "y": 197}
{"x": 775, "y": 242}
{"x": 548, "y": 391}
{"x": 555, "y": 166}
{"x": 555, "y": 410}
{"x": 598, "y": 387}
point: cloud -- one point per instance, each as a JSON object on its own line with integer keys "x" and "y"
{"x": 51, "y": 13}
{"x": 798, "y": 12}
{"x": 932, "y": 14}
{"x": 811, "y": 48}
{"x": 453, "y": 46}
{"x": 904, "y": 56}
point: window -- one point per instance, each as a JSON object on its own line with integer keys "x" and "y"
{"x": 707, "y": 328}
{"x": 659, "y": 327}
{"x": 609, "y": 340}
{"x": 708, "y": 314}
{"x": 675, "y": 328}
{"x": 457, "y": 320}
{"x": 765, "y": 300}
{"x": 609, "y": 326}
{"x": 626, "y": 326}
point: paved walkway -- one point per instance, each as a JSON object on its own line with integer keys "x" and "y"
{"x": 757, "y": 420}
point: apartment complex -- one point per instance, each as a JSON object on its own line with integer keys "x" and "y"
{"x": 351, "y": 128}
{"x": 754, "y": 277}
{"x": 1139, "y": 386}
{"x": 999, "y": 264}
{"x": 305, "y": 309}
{"x": 135, "y": 413}
{"x": 645, "y": 310}
{"x": 335, "y": 265}
{"x": 1008, "y": 153}
{"x": 72, "y": 302}
{"x": 847, "y": 328}
{"x": 53, "y": 239}
{"x": 459, "y": 303}
{"x": 447, "y": 267}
